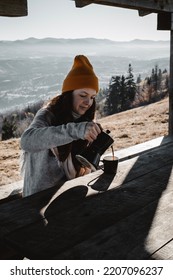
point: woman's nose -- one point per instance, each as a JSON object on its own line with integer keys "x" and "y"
{"x": 88, "y": 101}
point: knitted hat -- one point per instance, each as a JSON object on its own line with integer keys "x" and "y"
{"x": 81, "y": 75}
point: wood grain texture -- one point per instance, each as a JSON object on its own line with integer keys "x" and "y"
{"x": 149, "y": 5}
{"x": 98, "y": 216}
{"x": 13, "y": 8}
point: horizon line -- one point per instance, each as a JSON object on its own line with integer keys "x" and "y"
{"x": 84, "y": 38}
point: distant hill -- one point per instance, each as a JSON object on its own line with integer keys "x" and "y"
{"x": 34, "y": 69}
{"x": 141, "y": 49}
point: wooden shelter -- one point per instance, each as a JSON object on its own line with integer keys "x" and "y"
{"x": 150, "y": 6}
{"x": 122, "y": 216}
{"x": 164, "y": 10}
{"x": 13, "y": 8}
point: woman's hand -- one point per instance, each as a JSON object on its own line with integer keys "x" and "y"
{"x": 92, "y": 131}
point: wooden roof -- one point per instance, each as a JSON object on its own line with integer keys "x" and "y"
{"x": 13, "y": 8}
{"x": 16, "y": 8}
{"x": 155, "y": 6}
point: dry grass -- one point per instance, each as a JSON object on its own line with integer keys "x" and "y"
{"x": 138, "y": 125}
{"x": 127, "y": 128}
{"x": 9, "y": 161}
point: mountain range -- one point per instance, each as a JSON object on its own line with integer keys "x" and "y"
{"x": 140, "y": 49}
{"x": 34, "y": 69}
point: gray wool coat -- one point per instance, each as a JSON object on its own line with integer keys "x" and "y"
{"x": 40, "y": 169}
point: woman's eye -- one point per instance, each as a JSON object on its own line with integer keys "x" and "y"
{"x": 85, "y": 96}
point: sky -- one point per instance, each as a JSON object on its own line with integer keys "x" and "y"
{"x": 61, "y": 19}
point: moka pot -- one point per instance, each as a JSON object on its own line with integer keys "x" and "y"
{"x": 90, "y": 157}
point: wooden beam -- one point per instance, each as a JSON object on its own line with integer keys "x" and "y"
{"x": 143, "y": 13}
{"x": 164, "y": 21}
{"x": 83, "y": 3}
{"x": 149, "y": 5}
{"x": 171, "y": 80}
{"x": 13, "y": 8}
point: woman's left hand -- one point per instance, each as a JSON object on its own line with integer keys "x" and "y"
{"x": 92, "y": 131}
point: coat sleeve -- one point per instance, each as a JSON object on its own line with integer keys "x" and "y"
{"x": 40, "y": 135}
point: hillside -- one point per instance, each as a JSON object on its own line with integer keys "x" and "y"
{"x": 127, "y": 128}
{"x": 34, "y": 69}
{"x": 33, "y": 47}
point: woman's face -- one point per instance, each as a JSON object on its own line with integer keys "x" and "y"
{"x": 83, "y": 100}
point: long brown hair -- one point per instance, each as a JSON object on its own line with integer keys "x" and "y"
{"x": 62, "y": 106}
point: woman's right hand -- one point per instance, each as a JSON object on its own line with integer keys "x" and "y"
{"x": 92, "y": 131}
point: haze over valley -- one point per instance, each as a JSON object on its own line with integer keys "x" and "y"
{"x": 34, "y": 69}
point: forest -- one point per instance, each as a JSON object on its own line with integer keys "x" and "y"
{"x": 122, "y": 93}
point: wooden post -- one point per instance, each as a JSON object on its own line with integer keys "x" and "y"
{"x": 13, "y": 8}
{"x": 1, "y": 124}
{"x": 171, "y": 80}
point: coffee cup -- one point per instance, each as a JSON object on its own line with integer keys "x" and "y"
{"x": 110, "y": 164}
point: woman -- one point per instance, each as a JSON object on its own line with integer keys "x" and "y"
{"x": 61, "y": 130}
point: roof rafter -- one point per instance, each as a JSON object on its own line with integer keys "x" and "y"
{"x": 154, "y": 6}
{"x": 13, "y": 8}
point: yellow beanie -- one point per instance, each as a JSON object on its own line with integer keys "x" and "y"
{"x": 81, "y": 75}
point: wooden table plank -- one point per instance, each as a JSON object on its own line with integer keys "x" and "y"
{"x": 22, "y": 212}
{"x": 64, "y": 229}
{"x": 127, "y": 171}
{"x": 142, "y": 148}
{"x": 139, "y": 181}
{"x": 11, "y": 191}
{"x": 146, "y": 234}
{"x": 165, "y": 252}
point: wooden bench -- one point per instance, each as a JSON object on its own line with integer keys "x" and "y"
{"x": 14, "y": 190}
{"x": 11, "y": 191}
{"x": 93, "y": 217}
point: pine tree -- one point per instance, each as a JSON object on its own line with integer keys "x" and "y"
{"x": 130, "y": 84}
{"x": 113, "y": 95}
{"x": 124, "y": 100}
{"x": 138, "y": 80}
{"x": 121, "y": 93}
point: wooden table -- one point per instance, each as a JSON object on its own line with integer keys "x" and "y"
{"x": 99, "y": 216}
